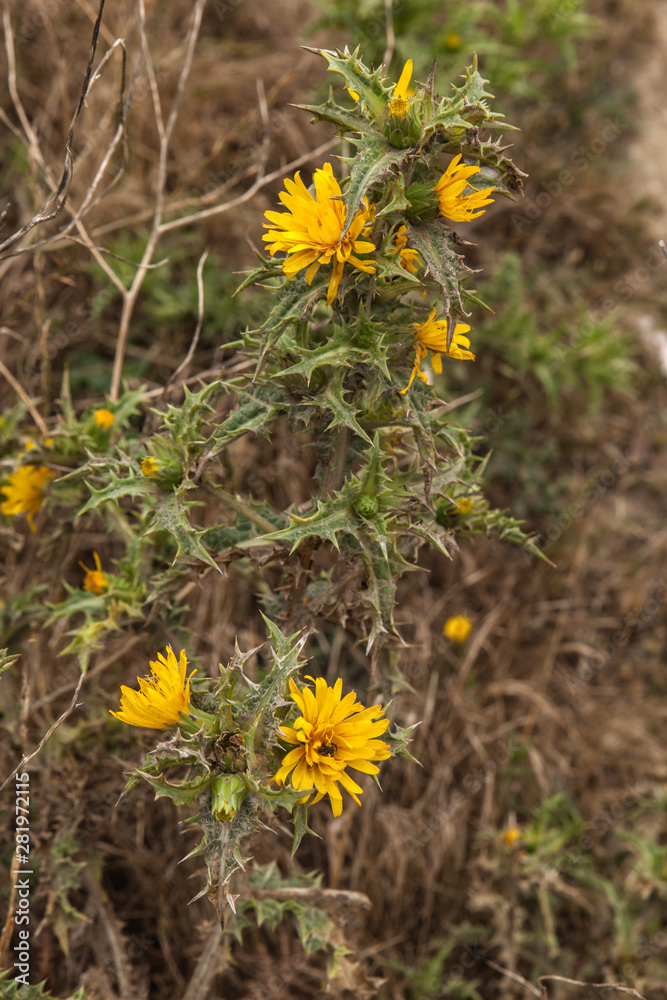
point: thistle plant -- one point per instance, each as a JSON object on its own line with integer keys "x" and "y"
{"x": 228, "y": 733}
{"x": 368, "y": 311}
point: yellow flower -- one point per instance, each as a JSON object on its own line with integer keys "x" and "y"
{"x": 457, "y": 628}
{"x": 453, "y": 203}
{"x": 432, "y": 336}
{"x": 96, "y": 581}
{"x": 25, "y": 491}
{"x": 150, "y": 467}
{"x": 311, "y": 231}
{"x": 464, "y": 505}
{"x": 162, "y": 698}
{"x": 104, "y": 419}
{"x": 510, "y": 836}
{"x": 330, "y": 735}
{"x": 399, "y": 104}
{"x": 452, "y": 42}
{"x": 410, "y": 259}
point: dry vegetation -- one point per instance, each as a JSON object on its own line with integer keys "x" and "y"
{"x": 526, "y": 726}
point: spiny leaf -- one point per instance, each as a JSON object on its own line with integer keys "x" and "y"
{"x": 344, "y": 413}
{"x": 445, "y": 266}
{"x": 131, "y": 487}
{"x": 256, "y": 408}
{"x": 170, "y": 515}
{"x": 357, "y": 77}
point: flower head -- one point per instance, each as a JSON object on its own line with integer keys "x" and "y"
{"x": 457, "y": 628}
{"x": 432, "y": 336}
{"x": 464, "y": 505}
{"x": 150, "y": 467}
{"x": 410, "y": 259}
{"x": 104, "y": 419}
{"x": 330, "y": 735}
{"x": 311, "y": 231}
{"x": 510, "y": 836}
{"x": 25, "y": 491}
{"x": 162, "y": 698}
{"x": 399, "y": 104}
{"x": 452, "y": 202}
{"x": 96, "y": 581}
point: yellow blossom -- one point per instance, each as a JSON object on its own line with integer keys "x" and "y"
{"x": 162, "y": 698}
{"x": 457, "y": 628}
{"x": 311, "y": 231}
{"x": 464, "y": 505}
{"x": 432, "y": 336}
{"x": 25, "y": 491}
{"x": 399, "y": 104}
{"x": 410, "y": 259}
{"x": 452, "y": 42}
{"x": 150, "y": 467}
{"x": 330, "y": 735}
{"x": 510, "y": 836}
{"x": 452, "y": 202}
{"x": 104, "y": 419}
{"x": 96, "y": 581}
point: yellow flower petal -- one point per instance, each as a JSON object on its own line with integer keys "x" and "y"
{"x": 25, "y": 491}
{"x": 452, "y": 202}
{"x": 162, "y": 698}
{"x": 311, "y": 231}
{"x": 335, "y": 733}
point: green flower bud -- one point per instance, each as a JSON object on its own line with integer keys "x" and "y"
{"x": 366, "y": 505}
{"x": 403, "y": 130}
{"x": 227, "y": 793}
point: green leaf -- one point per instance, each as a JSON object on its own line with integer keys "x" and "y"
{"x": 374, "y": 159}
{"x": 256, "y": 408}
{"x": 301, "y": 827}
{"x": 131, "y": 487}
{"x": 357, "y": 77}
{"x": 435, "y": 245}
{"x": 170, "y": 515}
{"x": 344, "y": 413}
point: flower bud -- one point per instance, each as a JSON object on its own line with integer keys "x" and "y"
{"x": 366, "y": 505}
{"x": 227, "y": 793}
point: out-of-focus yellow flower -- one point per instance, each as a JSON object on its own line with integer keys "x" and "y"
{"x": 455, "y": 205}
{"x": 150, "y": 467}
{"x": 511, "y": 836}
{"x": 452, "y": 42}
{"x": 457, "y": 628}
{"x": 162, "y": 698}
{"x": 25, "y": 491}
{"x": 399, "y": 104}
{"x": 104, "y": 419}
{"x": 410, "y": 259}
{"x": 311, "y": 231}
{"x": 432, "y": 336}
{"x": 96, "y": 581}
{"x": 464, "y": 505}
{"x": 330, "y": 735}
